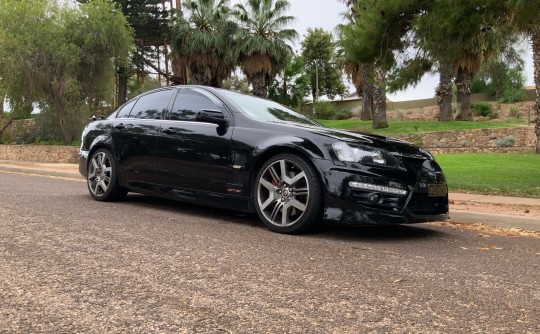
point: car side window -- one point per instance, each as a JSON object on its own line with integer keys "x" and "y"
{"x": 126, "y": 108}
{"x": 187, "y": 103}
{"x": 152, "y": 105}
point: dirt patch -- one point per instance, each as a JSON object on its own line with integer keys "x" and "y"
{"x": 528, "y": 211}
{"x": 484, "y": 231}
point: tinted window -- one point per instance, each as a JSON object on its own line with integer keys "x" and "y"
{"x": 188, "y": 102}
{"x": 266, "y": 110}
{"x": 125, "y": 109}
{"x": 151, "y": 105}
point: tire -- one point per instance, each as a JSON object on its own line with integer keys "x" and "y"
{"x": 101, "y": 177}
{"x": 287, "y": 194}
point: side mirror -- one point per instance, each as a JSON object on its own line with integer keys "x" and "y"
{"x": 212, "y": 116}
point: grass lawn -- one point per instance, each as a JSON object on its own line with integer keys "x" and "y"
{"x": 397, "y": 127}
{"x": 497, "y": 173}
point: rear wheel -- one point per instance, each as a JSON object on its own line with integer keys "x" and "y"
{"x": 102, "y": 179}
{"x": 287, "y": 195}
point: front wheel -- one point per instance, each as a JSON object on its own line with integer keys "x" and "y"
{"x": 102, "y": 179}
{"x": 287, "y": 194}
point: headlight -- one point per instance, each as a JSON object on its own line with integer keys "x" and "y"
{"x": 364, "y": 155}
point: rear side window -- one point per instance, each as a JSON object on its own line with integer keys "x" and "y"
{"x": 151, "y": 106}
{"x": 187, "y": 103}
{"x": 126, "y": 108}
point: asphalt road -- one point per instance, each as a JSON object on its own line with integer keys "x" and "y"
{"x": 69, "y": 264}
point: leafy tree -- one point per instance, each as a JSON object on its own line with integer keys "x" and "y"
{"x": 60, "y": 57}
{"x": 372, "y": 38}
{"x": 321, "y": 60}
{"x": 150, "y": 22}
{"x": 291, "y": 85}
{"x": 502, "y": 78}
{"x": 262, "y": 47}
{"x": 205, "y": 41}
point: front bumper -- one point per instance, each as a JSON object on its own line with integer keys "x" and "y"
{"x": 395, "y": 197}
{"x": 83, "y": 162}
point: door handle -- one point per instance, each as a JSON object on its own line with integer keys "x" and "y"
{"x": 169, "y": 131}
{"x": 120, "y": 126}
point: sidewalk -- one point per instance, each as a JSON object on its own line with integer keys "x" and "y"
{"x": 461, "y": 216}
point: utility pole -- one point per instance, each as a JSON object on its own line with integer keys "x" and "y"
{"x": 316, "y": 97}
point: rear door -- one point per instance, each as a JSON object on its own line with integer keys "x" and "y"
{"x": 195, "y": 155}
{"x": 134, "y": 135}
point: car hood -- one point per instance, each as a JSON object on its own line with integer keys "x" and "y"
{"x": 392, "y": 145}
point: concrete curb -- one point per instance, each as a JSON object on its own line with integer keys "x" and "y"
{"x": 43, "y": 172}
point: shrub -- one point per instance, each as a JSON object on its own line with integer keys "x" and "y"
{"x": 482, "y": 109}
{"x": 514, "y": 112}
{"x": 512, "y": 95}
{"x": 342, "y": 114}
{"x": 324, "y": 110}
{"x": 505, "y": 142}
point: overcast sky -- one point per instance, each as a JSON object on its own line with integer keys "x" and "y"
{"x": 327, "y": 15}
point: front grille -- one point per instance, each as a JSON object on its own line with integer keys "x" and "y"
{"x": 422, "y": 204}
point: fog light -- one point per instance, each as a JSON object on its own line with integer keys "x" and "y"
{"x": 375, "y": 187}
{"x": 375, "y": 198}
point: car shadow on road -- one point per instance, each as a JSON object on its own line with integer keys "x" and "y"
{"x": 377, "y": 233}
{"x": 325, "y": 230}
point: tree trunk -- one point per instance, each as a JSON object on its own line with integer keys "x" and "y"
{"x": 5, "y": 126}
{"x": 379, "y": 99}
{"x": 179, "y": 71}
{"x": 62, "y": 118}
{"x": 535, "y": 37}
{"x": 199, "y": 77}
{"x": 444, "y": 94}
{"x": 2, "y": 99}
{"x": 367, "y": 92}
{"x": 121, "y": 90}
{"x": 258, "y": 82}
{"x": 463, "y": 83}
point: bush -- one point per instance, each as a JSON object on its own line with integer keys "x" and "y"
{"x": 505, "y": 142}
{"x": 514, "y": 112}
{"x": 483, "y": 109}
{"x": 512, "y": 95}
{"x": 324, "y": 110}
{"x": 343, "y": 114}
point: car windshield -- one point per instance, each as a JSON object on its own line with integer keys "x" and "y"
{"x": 266, "y": 110}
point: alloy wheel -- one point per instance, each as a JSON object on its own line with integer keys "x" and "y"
{"x": 283, "y": 193}
{"x": 99, "y": 174}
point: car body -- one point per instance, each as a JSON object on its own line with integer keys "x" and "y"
{"x": 224, "y": 149}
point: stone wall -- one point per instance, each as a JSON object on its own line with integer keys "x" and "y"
{"x": 469, "y": 141}
{"x": 40, "y": 153}
{"x": 521, "y": 139}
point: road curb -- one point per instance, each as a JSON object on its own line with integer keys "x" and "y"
{"x": 40, "y": 172}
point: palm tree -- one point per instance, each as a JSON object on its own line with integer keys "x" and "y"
{"x": 360, "y": 74}
{"x": 205, "y": 42}
{"x": 524, "y": 18}
{"x": 263, "y": 50}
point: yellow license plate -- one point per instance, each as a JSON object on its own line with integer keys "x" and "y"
{"x": 437, "y": 190}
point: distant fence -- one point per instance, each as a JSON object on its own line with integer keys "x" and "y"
{"x": 355, "y": 105}
{"x": 530, "y": 95}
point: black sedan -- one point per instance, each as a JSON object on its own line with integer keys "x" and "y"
{"x": 224, "y": 149}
